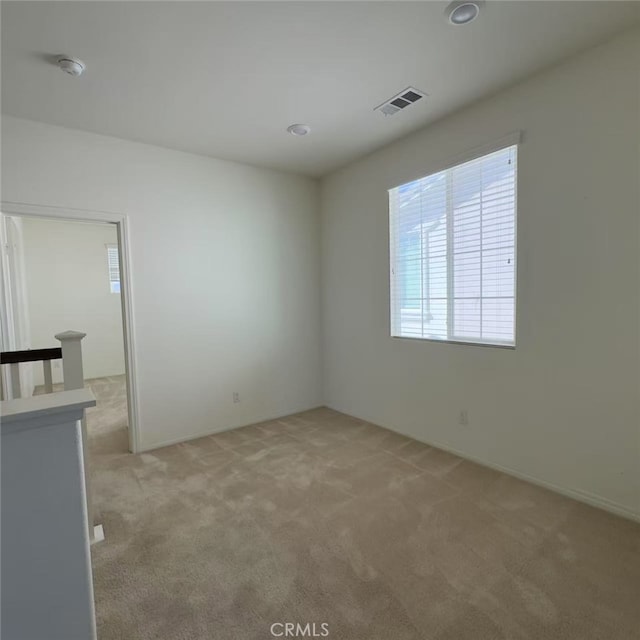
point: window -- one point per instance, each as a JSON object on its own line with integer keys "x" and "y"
{"x": 453, "y": 253}
{"x": 113, "y": 263}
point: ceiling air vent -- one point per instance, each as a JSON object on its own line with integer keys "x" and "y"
{"x": 401, "y": 101}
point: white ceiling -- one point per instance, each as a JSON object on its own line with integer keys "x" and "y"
{"x": 225, "y": 79}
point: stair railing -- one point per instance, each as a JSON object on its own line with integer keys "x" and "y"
{"x": 13, "y": 360}
{"x": 70, "y": 351}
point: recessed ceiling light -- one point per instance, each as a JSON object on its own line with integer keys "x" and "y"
{"x": 72, "y": 66}
{"x": 299, "y": 129}
{"x": 462, "y": 12}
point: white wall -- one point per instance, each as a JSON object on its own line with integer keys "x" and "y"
{"x": 67, "y": 282}
{"x": 225, "y": 266}
{"x": 563, "y": 408}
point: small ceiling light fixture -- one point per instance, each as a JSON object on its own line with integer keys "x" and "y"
{"x": 299, "y": 129}
{"x": 462, "y": 12}
{"x": 72, "y": 66}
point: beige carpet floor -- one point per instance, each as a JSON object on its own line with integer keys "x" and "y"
{"x": 322, "y": 518}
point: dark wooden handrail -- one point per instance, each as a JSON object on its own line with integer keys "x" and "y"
{"x": 30, "y": 355}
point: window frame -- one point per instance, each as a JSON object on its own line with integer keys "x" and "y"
{"x": 510, "y": 140}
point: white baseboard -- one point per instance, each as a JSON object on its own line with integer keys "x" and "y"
{"x": 213, "y": 432}
{"x": 576, "y": 494}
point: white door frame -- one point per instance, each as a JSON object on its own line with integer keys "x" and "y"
{"x": 14, "y": 316}
{"x": 122, "y": 225}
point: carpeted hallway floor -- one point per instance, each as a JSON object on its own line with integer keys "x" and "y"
{"x": 319, "y": 517}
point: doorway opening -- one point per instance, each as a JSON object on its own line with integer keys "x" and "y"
{"x": 68, "y": 271}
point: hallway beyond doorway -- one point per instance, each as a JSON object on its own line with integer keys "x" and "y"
{"x": 107, "y": 422}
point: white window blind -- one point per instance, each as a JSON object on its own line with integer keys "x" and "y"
{"x": 113, "y": 263}
{"x": 453, "y": 253}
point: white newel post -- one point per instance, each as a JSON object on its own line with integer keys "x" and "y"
{"x": 71, "y": 344}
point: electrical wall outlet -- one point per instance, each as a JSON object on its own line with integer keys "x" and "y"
{"x": 463, "y": 418}
{"x": 236, "y": 396}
